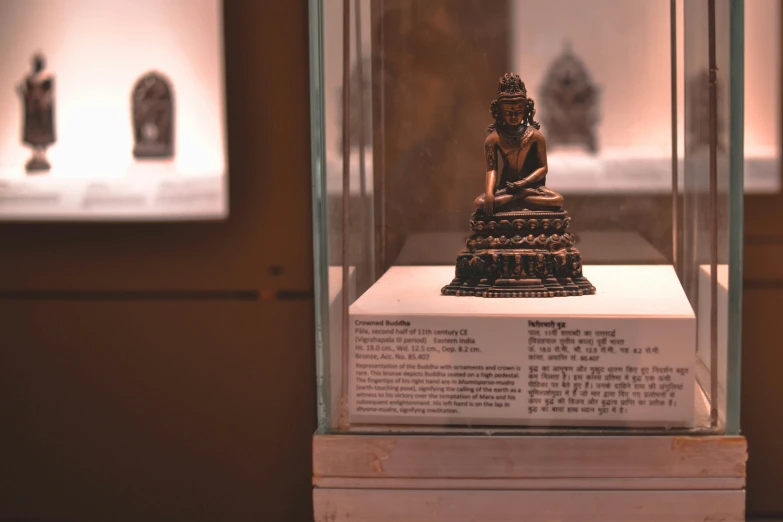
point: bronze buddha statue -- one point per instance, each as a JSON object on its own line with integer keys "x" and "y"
{"x": 516, "y": 138}
{"x": 519, "y": 246}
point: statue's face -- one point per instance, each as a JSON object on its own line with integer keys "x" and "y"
{"x": 513, "y": 112}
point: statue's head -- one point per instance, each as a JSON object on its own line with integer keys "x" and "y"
{"x": 512, "y": 107}
{"x": 38, "y": 62}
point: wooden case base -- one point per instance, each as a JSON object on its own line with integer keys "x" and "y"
{"x": 396, "y": 478}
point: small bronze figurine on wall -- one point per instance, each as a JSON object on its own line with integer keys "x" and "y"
{"x": 570, "y": 103}
{"x": 520, "y": 245}
{"x": 37, "y": 92}
{"x": 153, "y": 117}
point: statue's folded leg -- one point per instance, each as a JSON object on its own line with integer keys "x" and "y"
{"x": 501, "y": 198}
{"x": 546, "y": 198}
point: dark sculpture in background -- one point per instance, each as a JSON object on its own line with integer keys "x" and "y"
{"x": 153, "y": 117}
{"x": 519, "y": 244}
{"x": 37, "y": 92}
{"x": 570, "y": 103}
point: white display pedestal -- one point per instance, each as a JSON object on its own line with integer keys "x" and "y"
{"x": 410, "y": 473}
{"x": 623, "y": 357}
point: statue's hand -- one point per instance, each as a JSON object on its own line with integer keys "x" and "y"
{"x": 489, "y": 203}
{"x": 516, "y": 185}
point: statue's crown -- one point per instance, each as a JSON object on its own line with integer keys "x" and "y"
{"x": 510, "y": 86}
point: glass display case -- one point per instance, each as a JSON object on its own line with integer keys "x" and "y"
{"x": 553, "y": 250}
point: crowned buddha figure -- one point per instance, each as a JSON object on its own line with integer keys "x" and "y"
{"x": 37, "y": 92}
{"x": 519, "y": 245}
{"x": 516, "y": 139}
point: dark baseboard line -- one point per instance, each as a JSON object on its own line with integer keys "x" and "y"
{"x": 156, "y": 295}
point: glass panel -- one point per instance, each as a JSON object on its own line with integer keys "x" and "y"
{"x": 323, "y": 270}
{"x": 343, "y": 190}
{"x": 707, "y": 213}
{"x": 737, "y": 54}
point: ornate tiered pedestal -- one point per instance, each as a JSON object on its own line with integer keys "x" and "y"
{"x": 521, "y": 253}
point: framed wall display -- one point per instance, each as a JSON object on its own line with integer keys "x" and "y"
{"x": 112, "y": 110}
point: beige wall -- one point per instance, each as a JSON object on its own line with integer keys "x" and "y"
{"x": 626, "y": 48}
{"x": 762, "y": 74}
